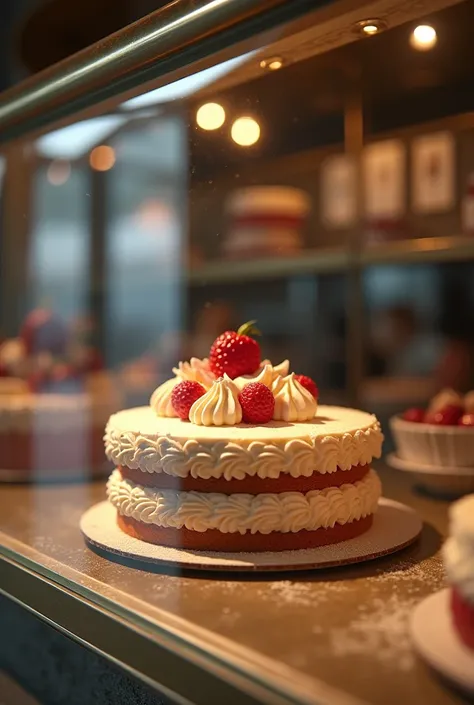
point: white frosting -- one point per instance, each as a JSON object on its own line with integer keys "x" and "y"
{"x": 444, "y": 398}
{"x": 264, "y": 375}
{"x": 219, "y": 406}
{"x": 458, "y": 551}
{"x": 336, "y": 438}
{"x": 241, "y": 513}
{"x": 292, "y": 401}
{"x": 160, "y": 400}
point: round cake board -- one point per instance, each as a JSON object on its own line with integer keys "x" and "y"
{"x": 38, "y": 476}
{"x": 437, "y": 642}
{"x": 395, "y": 526}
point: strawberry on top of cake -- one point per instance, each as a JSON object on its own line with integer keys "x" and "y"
{"x": 234, "y": 454}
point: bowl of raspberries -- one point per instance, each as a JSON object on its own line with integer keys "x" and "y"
{"x": 440, "y": 435}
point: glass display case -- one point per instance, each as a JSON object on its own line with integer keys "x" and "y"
{"x": 306, "y": 164}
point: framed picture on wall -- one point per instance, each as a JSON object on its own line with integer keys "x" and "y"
{"x": 433, "y": 177}
{"x": 338, "y": 191}
{"x": 384, "y": 165}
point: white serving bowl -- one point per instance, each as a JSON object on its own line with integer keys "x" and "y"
{"x": 427, "y": 444}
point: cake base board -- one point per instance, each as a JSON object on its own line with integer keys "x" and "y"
{"x": 444, "y": 482}
{"x": 38, "y": 476}
{"x": 437, "y": 642}
{"x": 395, "y": 527}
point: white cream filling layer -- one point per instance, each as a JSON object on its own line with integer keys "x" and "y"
{"x": 337, "y": 438}
{"x": 241, "y": 513}
{"x": 458, "y": 551}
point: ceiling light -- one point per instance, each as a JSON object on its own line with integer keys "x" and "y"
{"x": 102, "y": 158}
{"x": 370, "y": 27}
{"x": 58, "y": 172}
{"x": 423, "y": 37}
{"x": 210, "y": 116}
{"x": 245, "y": 131}
{"x": 273, "y": 64}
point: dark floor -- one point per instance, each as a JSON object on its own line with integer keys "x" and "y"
{"x": 39, "y": 665}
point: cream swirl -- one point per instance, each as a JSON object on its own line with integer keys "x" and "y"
{"x": 160, "y": 400}
{"x": 241, "y": 513}
{"x": 219, "y": 406}
{"x": 264, "y": 376}
{"x": 196, "y": 370}
{"x": 293, "y": 402}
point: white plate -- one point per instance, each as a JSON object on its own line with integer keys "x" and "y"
{"x": 443, "y": 482}
{"x": 395, "y": 527}
{"x": 398, "y": 463}
{"x": 437, "y": 642}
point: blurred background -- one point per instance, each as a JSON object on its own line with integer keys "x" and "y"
{"x": 327, "y": 193}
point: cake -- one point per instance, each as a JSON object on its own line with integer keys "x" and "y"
{"x": 458, "y": 554}
{"x": 54, "y": 401}
{"x": 441, "y": 435}
{"x": 265, "y": 220}
{"x": 234, "y": 454}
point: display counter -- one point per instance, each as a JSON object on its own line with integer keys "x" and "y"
{"x": 334, "y": 636}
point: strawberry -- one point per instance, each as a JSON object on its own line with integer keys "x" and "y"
{"x": 183, "y": 397}
{"x": 257, "y": 402}
{"x": 449, "y": 416}
{"x": 235, "y": 353}
{"x": 308, "y": 384}
{"x": 466, "y": 420}
{"x": 415, "y": 415}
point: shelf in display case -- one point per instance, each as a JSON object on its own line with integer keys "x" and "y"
{"x": 333, "y": 260}
{"x": 324, "y": 261}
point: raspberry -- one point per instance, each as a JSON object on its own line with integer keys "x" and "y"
{"x": 449, "y": 416}
{"x": 257, "y": 402}
{"x": 235, "y": 353}
{"x": 308, "y": 384}
{"x": 415, "y": 415}
{"x": 183, "y": 397}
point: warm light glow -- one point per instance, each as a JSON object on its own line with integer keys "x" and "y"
{"x": 275, "y": 63}
{"x": 102, "y": 158}
{"x": 58, "y": 172}
{"x": 370, "y": 29}
{"x": 245, "y": 131}
{"x": 210, "y": 116}
{"x": 423, "y": 37}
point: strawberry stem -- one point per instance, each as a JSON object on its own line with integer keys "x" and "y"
{"x": 248, "y": 328}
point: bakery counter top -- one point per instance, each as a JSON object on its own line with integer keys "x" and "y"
{"x": 338, "y": 636}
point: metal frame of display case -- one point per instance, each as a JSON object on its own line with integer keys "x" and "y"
{"x": 138, "y": 58}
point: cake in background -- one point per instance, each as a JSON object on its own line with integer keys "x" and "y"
{"x": 441, "y": 435}
{"x": 458, "y": 554}
{"x": 54, "y": 399}
{"x": 265, "y": 220}
{"x": 234, "y": 454}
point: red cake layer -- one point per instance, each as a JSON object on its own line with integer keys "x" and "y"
{"x": 73, "y": 449}
{"x": 463, "y": 617}
{"x": 214, "y": 540}
{"x": 249, "y": 485}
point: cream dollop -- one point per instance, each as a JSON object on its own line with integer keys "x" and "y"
{"x": 219, "y": 406}
{"x": 196, "y": 370}
{"x": 292, "y": 401}
{"x": 264, "y": 375}
{"x": 280, "y": 370}
{"x": 160, "y": 400}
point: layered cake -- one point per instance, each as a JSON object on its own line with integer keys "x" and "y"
{"x": 265, "y": 220}
{"x": 458, "y": 554}
{"x": 54, "y": 401}
{"x": 234, "y": 454}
